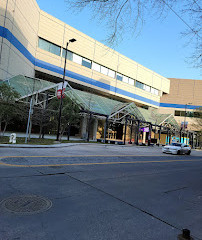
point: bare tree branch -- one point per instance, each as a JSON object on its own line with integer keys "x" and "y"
{"x": 128, "y": 16}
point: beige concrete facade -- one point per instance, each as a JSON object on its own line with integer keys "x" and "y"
{"x": 20, "y": 54}
{"x": 184, "y": 91}
{"x": 185, "y": 94}
{"x": 21, "y": 19}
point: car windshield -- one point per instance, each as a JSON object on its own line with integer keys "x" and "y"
{"x": 176, "y": 144}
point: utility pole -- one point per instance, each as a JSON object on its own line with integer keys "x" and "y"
{"x": 185, "y": 115}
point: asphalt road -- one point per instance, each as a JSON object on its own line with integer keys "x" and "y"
{"x": 101, "y": 192}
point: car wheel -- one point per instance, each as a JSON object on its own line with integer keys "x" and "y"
{"x": 188, "y": 153}
{"x": 178, "y": 152}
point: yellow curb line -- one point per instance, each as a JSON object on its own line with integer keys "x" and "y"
{"x": 74, "y": 156}
{"x": 104, "y": 163}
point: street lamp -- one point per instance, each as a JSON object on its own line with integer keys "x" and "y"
{"x": 60, "y": 109}
{"x": 185, "y": 119}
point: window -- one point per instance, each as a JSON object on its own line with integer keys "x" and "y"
{"x": 125, "y": 79}
{"x": 131, "y": 81}
{"x": 156, "y": 92}
{"x": 176, "y": 144}
{"x": 147, "y": 88}
{"x": 43, "y": 44}
{"x": 190, "y": 114}
{"x": 49, "y": 47}
{"x": 104, "y": 70}
{"x": 177, "y": 113}
{"x": 152, "y": 90}
{"x": 86, "y": 63}
{"x": 69, "y": 54}
{"x": 111, "y": 73}
{"x": 96, "y": 67}
{"x": 139, "y": 85}
{"x": 55, "y": 49}
{"x": 77, "y": 59}
{"x": 197, "y": 114}
{"x": 119, "y": 77}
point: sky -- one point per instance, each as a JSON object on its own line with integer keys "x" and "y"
{"x": 159, "y": 46}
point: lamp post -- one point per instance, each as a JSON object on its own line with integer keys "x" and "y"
{"x": 60, "y": 109}
{"x": 185, "y": 119}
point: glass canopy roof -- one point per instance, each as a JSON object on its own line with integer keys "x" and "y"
{"x": 88, "y": 101}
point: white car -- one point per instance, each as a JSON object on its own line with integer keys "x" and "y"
{"x": 177, "y": 148}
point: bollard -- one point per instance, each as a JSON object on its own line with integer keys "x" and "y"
{"x": 185, "y": 235}
{"x": 12, "y": 138}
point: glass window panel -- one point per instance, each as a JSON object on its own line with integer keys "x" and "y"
{"x": 96, "y": 67}
{"x": 197, "y": 114}
{"x": 139, "y": 85}
{"x": 152, "y": 90}
{"x": 54, "y": 49}
{"x": 131, "y": 81}
{"x": 156, "y": 92}
{"x": 111, "y": 73}
{"x": 125, "y": 79}
{"x": 104, "y": 70}
{"x": 147, "y": 88}
{"x": 86, "y": 63}
{"x": 43, "y": 44}
{"x": 63, "y": 53}
{"x": 69, "y": 54}
{"x": 182, "y": 113}
{"x": 177, "y": 113}
{"x": 190, "y": 114}
{"x": 119, "y": 77}
{"x": 77, "y": 59}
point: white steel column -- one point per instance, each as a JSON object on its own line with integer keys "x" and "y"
{"x": 144, "y": 137}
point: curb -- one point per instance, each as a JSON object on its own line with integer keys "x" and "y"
{"x": 60, "y": 145}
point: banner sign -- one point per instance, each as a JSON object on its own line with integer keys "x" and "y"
{"x": 60, "y": 92}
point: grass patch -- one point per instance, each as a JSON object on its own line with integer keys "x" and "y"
{"x": 38, "y": 141}
{"x": 72, "y": 141}
{"x": 34, "y": 141}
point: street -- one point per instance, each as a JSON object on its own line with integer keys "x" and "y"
{"x": 100, "y": 192}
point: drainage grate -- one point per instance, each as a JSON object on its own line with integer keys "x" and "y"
{"x": 26, "y": 204}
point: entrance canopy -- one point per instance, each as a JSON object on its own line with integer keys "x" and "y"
{"x": 116, "y": 111}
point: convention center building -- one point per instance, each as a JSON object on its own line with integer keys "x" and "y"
{"x": 120, "y": 100}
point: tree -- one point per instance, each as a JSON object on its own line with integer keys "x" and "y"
{"x": 198, "y": 125}
{"x": 41, "y": 117}
{"x": 9, "y": 108}
{"x": 129, "y": 15}
{"x": 70, "y": 114}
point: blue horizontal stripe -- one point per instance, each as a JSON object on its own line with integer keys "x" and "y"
{"x": 5, "y": 33}
{"x": 172, "y": 105}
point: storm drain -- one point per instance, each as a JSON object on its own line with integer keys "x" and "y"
{"x": 26, "y": 204}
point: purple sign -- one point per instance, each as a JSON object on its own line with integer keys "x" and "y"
{"x": 145, "y": 129}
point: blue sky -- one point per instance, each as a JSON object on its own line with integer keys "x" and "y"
{"x": 159, "y": 46}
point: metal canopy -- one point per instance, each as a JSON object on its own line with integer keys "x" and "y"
{"x": 116, "y": 111}
{"x": 124, "y": 110}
